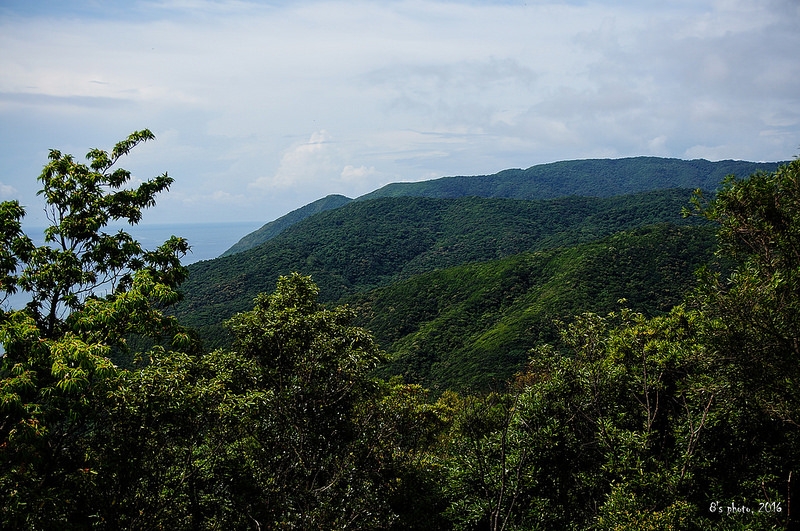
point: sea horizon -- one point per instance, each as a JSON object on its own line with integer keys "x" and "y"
{"x": 207, "y": 240}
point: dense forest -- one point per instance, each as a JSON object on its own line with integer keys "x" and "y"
{"x": 352, "y": 247}
{"x": 620, "y": 362}
{"x": 369, "y": 244}
{"x": 472, "y": 327}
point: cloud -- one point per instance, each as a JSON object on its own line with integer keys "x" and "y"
{"x": 267, "y": 105}
{"x": 307, "y": 162}
{"x": 7, "y": 191}
{"x": 362, "y": 173}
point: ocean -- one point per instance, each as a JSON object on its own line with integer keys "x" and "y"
{"x": 207, "y": 241}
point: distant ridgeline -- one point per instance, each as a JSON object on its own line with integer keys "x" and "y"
{"x": 591, "y": 177}
{"x": 460, "y": 277}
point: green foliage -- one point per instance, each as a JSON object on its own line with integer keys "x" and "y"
{"x": 596, "y": 406}
{"x": 312, "y": 365}
{"x": 627, "y": 425}
{"x": 364, "y": 245}
{"x": 669, "y": 422}
{"x": 759, "y": 303}
{"x": 56, "y": 367}
{"x": 406, "y": 434}
{"x": 490, "y": 467}
{"x": 472, "y": 326}
{"x": 78, "y": 257}
{"x": 285, "y": 431}
{"x": 755, "y": 309}
{"x": 655, "y": 419}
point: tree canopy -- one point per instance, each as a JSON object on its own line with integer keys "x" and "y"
{"x": 683, "y": 420}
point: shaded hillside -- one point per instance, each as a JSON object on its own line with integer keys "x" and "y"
{"x": 368, "y": 244}
{"x": 473, "y": 325}
{"x": 592, "y": 177}
{"x": 273, "y": 228}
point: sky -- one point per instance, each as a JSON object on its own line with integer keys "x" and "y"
{"x": 260, "y": 107}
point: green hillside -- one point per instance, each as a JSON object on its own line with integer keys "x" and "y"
{"x": 591, "y": 177}
{"x": 273, "y": 228}
{"x": 368, "y": 244}
{"x": 470, "y": 326}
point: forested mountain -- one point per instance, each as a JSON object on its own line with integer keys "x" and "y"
{"x": 384, "y": 238}
{"x": 471, "y": 327}
{"x": 367, "y": 244}
{"x": 591, "y": 177}
{"x": 273, "y": 228}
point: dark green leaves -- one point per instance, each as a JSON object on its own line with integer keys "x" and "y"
{"x": 15, "y": 246}
{"x": 90, "y": 291}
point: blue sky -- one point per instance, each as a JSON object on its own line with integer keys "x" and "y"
{"x": 262, "y": 107}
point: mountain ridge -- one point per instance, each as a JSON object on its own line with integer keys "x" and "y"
{"x": 584, "y": 177}
{"x": 367, "y": 244}
{"x": 587, "y": 177}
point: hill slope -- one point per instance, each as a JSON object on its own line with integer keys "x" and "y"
{"x": 471, "y": 325}
{"x": 368, "y": 244}
{"x": 273, "y": 228}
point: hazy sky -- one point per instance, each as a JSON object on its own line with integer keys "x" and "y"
{"x": 261, "y": 107}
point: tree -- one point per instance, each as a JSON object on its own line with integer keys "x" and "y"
{"x": 287, "y": 430}
{"x": 756, "y": 314}
{"x": 637, "y": 423}
{"x": 490, "y": 466}
{"x": 78, "y": 256}
{"x": 302, "y": 437}
{"x": 759, "y": 303}
{"x": 89, "y": 292}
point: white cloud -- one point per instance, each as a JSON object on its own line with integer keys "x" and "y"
{"x": 657, "y": 145}
{"x": 241, "y": 94}
{"x": 304, "y": 163}
{"x": 352, "y": 174}
{"x": 7, "y": 191}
